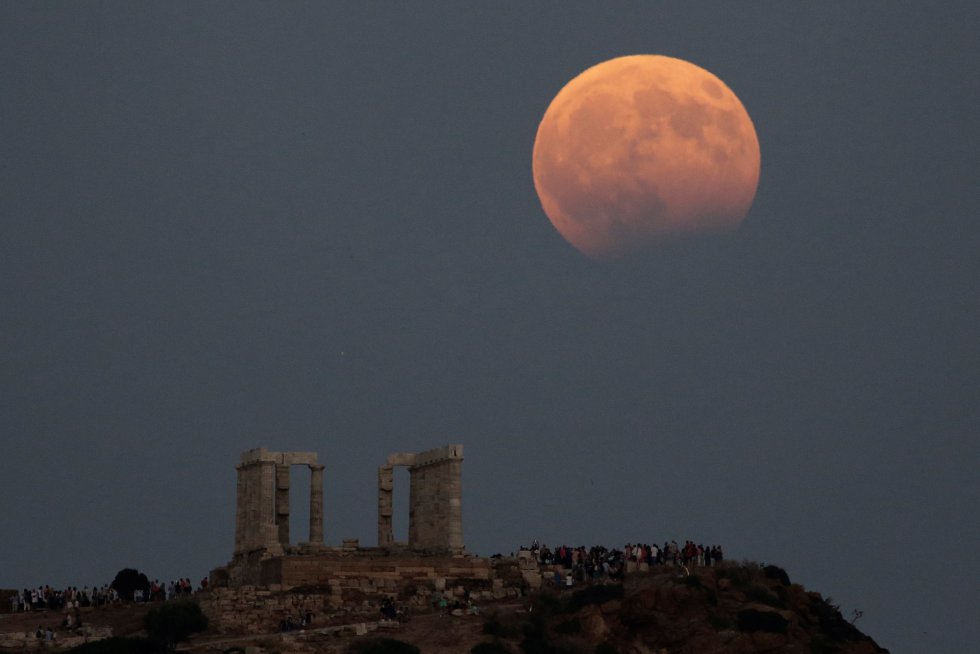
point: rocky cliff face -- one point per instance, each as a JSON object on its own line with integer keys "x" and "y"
{"x": 732, "y": 609}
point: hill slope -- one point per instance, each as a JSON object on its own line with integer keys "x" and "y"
{"x": 731, "y": 609}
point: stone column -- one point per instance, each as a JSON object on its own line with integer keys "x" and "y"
{"x": 253, "y": 513}
{"x": 240, "y": 517}
{"x": 386, "y": 485}
{"x": 316, "y": 503}
{"x": 454, "y": 488}
{"x": 267, "y": 504}
{"x": 257, "y": 524}
{"x": 282, "y": 503}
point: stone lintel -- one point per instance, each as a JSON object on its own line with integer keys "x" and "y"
{"x": 298, "y": 458}
{"x": 402, "y": 459}
{"x": 263, "y": 455}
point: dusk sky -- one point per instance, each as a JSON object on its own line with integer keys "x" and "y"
{"x": 314, "y": 227}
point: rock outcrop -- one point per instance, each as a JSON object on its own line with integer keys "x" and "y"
{"x": 732, "y": 609}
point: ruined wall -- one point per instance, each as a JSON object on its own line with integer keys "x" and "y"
{"x": 381, "y": 573}
{"x": 336, "y": 585}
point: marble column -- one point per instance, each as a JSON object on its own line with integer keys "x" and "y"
{"x": 386, "y": 484}
{"x": 282, "y": 503}
{"x": 454, "y": 489}
{"x": 266, "y": 499}
{"x": 316, "y": 503}
{"x": 240, "y": 517}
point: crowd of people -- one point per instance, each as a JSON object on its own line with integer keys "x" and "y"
{"x": 597, "y": 562}
{"x": 52, "y": 599}
{"x": 289, "y": 624}
{"x": 72, "y": 599}
{"x": 159, "y": 592}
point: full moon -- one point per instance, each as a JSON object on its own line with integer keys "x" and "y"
{"x": 641, "y": 150}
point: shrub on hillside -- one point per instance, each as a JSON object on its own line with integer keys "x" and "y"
{"x": 546, "y": 605}
{"x": 569, "y": 627}
{"x": 173, "y": 622}
{"x": 129, "y": 580}
{"x": 695, "y": 582}
{"x": 598, "y": 594}
{"x": 495, "y": 626}
{"x": 719, "y": 622}
{"x": 752, "y": 620}
{"x": 832, "y": 623}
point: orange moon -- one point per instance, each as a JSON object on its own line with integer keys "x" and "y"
{"x": 641, "y": 150}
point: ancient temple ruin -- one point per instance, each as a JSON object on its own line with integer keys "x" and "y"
{"x": 435, "y": 514}
{"x": 269, "y": 578}
{"x": 264, "y": 553}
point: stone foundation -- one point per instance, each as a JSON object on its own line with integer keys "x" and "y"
{"x": 339, "y": 586}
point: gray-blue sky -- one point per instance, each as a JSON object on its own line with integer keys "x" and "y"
{"x": 313, "y": 226}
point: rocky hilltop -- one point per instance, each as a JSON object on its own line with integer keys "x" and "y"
{"x": 732, "y": 608}
{"x": 735, "y": 608}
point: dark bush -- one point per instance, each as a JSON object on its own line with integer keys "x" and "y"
{"x": 129, "y": 580}
{"x": 597, "y": 594}
{"x": 546, "y": 604}
{"x": 692, "y": 581}
{"x": 752, "y": 620}
{"x": 605, "y": 648}
{"x": 568, "y": 627}
{"x": 382, "y": 646}
{"x": 173, "y": 622}
{"x": 720, "y": 622}
{"x": 832, "y": 623}
{"x": 494, "y": 626}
